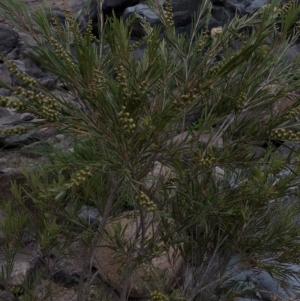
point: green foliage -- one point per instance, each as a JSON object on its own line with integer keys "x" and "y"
{"x": 216, "y": 191}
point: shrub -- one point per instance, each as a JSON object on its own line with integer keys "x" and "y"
{"x": 212, "y": 187}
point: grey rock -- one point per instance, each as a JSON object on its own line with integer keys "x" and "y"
{"x": 108, "y": 5}
{"x": 292, "y": 53}
{"x": 186, "y": 5}
{"x": 30, "y": 67}
{"x": 90, "y": 214}
{"x": 5, "y": 92}
{"x": 247, "y": 299}
{"x": 77, "y": 7}
{"x": 292, "y": 281}
{"x": 234, "y": 264}
{"x": 13, "y": 55}
{"x": 20, "y": 65}
{"x": 9, "y": 39}
{"x": 7, "y": 117}
{"x": 5, "y": 76}
{"x": 6, "y": 176}
{"x": 245, "y": 7}
{"x": 7, "y": 296}
{"x": 220, "y": 16}
{"x": 183, "y": 12}
{"x": 67, "y": 270}
{"x": 65, "y": 273}
{"x": 26, "y": 41}
{"x": 27, "y": 117}
{"x": 49, "y": 82}
{"x": 144, "y": 12}
{"x": 23, "y": 264}
{"x": 267, "y": 286}
{"x": 27, "y": 138}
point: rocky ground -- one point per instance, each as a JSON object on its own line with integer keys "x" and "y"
{"x": 65, "y": 272}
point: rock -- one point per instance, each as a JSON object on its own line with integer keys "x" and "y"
{"x": 185, "y": 137}
{"x": 66, "y": 272}
{"x": 67, "y": 267}
{"x": 6, "y": 177}
{"x": 27, "y": 138}
{"x": 7, "y": 296}
{"x": 267, "y": 287}
{"x": 9, "y": 39}
{"x": 292, "y": 53}
{"x": 145, "y": 12}
{"x": 159, "y": 172}
{"x": 5, "y": 76}
{"x": 58, "y": 292}
{"x": 5, "y": 92}
{"x": 77, "y": 7}
{"x": 245, "y": 7}
{"x": 109, "y": 5}
{"x": 32, "y": 68}
{"x": 113, "y": 257}
{"x": 24, "y": 263}
{"x": 220, "y": 16}
{"x": 183, "y": 12}
{"x": 26, "y": 41}
{"x": 89, "y": 214}
{"x": 8, "y": 117}
{"x": 261, "y": 283}
{"x": 292, "y": 282}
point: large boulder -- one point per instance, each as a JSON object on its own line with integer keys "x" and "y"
{"x": 115, "y": 258}
{"x": 79, "y": 8}
{"x": 109, "y": 5}
{"x": 9, "y": 39}
{"x": 183, "y": 12}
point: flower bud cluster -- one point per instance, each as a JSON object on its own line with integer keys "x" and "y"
{"x": 157, "y": 296}
{"x": 240, "y": 101}
{"x": 136, "y": 45}
{"x": 81, "y": 176}
{"x": 69, "y": 16}
{"x": 143, "y": 86}
{"x": 284, "y": 9}
{"x": 159, "y": 84}
{"x": 217, "y": 67}
{"x": 127, "y": 123}
{"x": 57, "y": 25}
{"x": 169, "y": 13}
{"x": 185, "y": 99}
{"x": 12, "y": 131}
{"x": 47, "y": 107}
{"x": 27, "y": 80}
{"x": 203, "y": 40}
{"x": 292, "y": 112}
{"x": 98, "y": 81}
{"x": 48, "y": 113}
{"x": 144, "y": 200}
{"x": 39, "y": 98}
{"x": 215, "y": 32}
{"x": 89, "y": 31}
{"x": 264, "y": 51}
{"x": 260, "y": 264}
{"x": 121, "y": 78}
{"x": 207, "y": 160}
{"x": 17, "y": 104}
{"x": 3, "y": 101}
{"x": 297, "y": 25}
{"x": 283, "y": 134}
{"x": 62, "y": 53}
